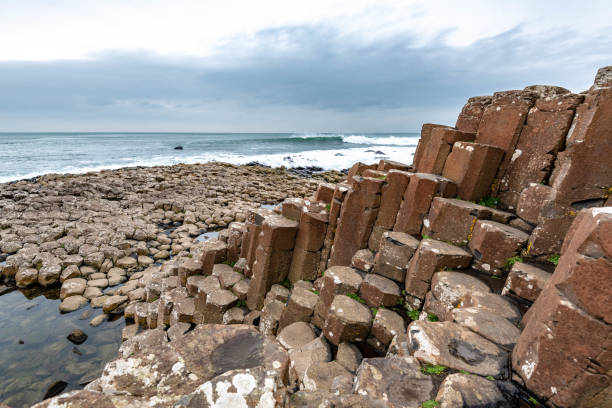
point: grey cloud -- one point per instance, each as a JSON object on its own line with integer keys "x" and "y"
{"x": 315, "y": 69}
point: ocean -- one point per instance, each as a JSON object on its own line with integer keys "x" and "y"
{"x": 27, "y": 155}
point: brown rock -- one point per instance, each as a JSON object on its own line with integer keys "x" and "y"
{"x": 471, "y": 391}
{"x": 357, "y": 217}
{"x": 531, "y": 201}
{"x": 502, "y": 122}
{"x": 493, "y": 244}
{"x": 387, "y": 324}
{"x": 431, "y": 256}
{"x": 217, "y": 303}
{"x": 453, "y": 220}
{"x": 489, "y": 325}
{"x": 473, "y": 166}
{"x": 349, "y": 356}
{"x": 363, "y": 260}
{"x": 325, "y": 192}
{"x": 378, "y": 291}
{"x": 394, "y": 379}
{"x": 396, "y": 250}
{"x": 423, "y": 142}
{"x": 300, "y": 307}
{"x": 189, "y": 268}
{"x": 562, "y": 354}
{"x": 541, "y": 139}
{"x": 439, "y": 147}
{"x": 338, "y": 280}
{"x": 456, "y": 347}
{"x": 525, "y": 281}
{"x": 421, "y": 189}
{"x": 296, "y": 335}
{"x": 492, "y": 302}
{"x": 392, "y": 192}
{"x": 447, "y": 291}
{"x": 304, "y": 265}
{"x": 347, "y": 320}
{"x": 471, "y": 114}
{"x": 328, "y": 376}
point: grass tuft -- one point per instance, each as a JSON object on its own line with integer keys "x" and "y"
{"x": 433, "y": 369}
{"x": 554, "y": 259}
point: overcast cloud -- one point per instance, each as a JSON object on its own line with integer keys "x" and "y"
{"x": 369, "y": 66}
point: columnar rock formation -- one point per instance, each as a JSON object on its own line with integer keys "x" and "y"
{"x": 388, "y": 289}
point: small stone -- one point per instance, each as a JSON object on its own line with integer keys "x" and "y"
{"x": 114, "y": 304}
{"x": 98, "y": 320}
{"x": 77, "y": 336}
{"x": 72, "y": 303}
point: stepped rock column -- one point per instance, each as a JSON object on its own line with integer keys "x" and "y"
{"x": 272, "y": 258}
{"x": 335, "y": 209}
{"x": 564, "y": 354}
{"x": 308, "y": 245}
{"x": 424, "y": 141}
{"x": 502, "y": 122}
{"x": 250, "y": 238}
{"x": 390, "y": 202}
{"x": 359, "y": 212}
{"x": 542, "y": 137}
{"x": 471, "y": 114}
{"x": 582, "y": 176}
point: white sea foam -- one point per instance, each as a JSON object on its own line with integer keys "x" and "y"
{"x": 326, "y": 159}
{"x": 382, "y": 141}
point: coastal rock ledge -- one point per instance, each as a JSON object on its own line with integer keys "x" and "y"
{"x": 480, "y": 276}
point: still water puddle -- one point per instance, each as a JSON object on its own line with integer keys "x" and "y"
{"x": 35, "y": 353}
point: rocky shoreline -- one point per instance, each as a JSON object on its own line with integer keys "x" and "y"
{"x": 374, "y": 291}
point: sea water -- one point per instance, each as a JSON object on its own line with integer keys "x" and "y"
{"x": 27, "y": 155}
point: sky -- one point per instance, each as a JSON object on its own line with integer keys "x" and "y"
{"x": 282, "y": 65}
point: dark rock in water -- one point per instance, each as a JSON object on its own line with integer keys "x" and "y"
{"x": 288, "y": 158}
{"x": 21, "y": 341}
{"x": 344, "y": 171}
{"x": 5, "y": 289}
{"x": 338, "y": 154}
{"x": 56, "y": 389}
{"x": 305, "y": 171}
{"x": 369, "y": 151}
{"x": 77, "y": 336}
{"x": 256, "y": 163}
{"x": 77, "y": 351}
{"x": 178, "y": 148}
{"x": 379, "y": 152}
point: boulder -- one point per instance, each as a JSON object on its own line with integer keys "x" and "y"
{"x": 493, "y": 243}
{"x": 300, "y": 307}
{"x": 347, "y": 320}
{"x": 525, "y": 281}
{"x": 489, "y": 325}
{"x": 471, "y": 391}
{"x": 328, "y": 376}
{"x": 349, "y": 356}
{"x": 296, "y": 335}
{"x": 378, "y": 291}
{"x": 431, "y": 256}
{"x": 387, "y": 324}
{"x": 447, "y": 291}
{"x": 393, "y": 257}
{"x": 456, "y": 347}
{"x": 397, "y": 380}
